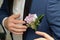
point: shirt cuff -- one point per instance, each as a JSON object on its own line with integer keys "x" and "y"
{"x": 4, "y": 25}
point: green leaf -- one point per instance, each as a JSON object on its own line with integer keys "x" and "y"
{"x": 38, "y": 20}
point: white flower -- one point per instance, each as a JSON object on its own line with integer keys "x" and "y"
{"x": 30, "y": 18}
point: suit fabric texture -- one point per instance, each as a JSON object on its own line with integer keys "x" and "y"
{"x": 50, "y": 23}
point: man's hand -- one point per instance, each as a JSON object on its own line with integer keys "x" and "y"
{"x": 11, "y": 23}
{"x": 46, "y": 36}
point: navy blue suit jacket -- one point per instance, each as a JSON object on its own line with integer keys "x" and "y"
{"x": 50, "y": 23}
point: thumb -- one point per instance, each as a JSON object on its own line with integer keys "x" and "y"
{"x": 15, "y": 16}
{"x": 45, "y": 35}
{"x": 40, "y": 39}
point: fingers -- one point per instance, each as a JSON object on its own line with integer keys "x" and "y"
{"x": 15, "y": 16}
{"x": 19, "y": 26}
{"x": 48, "y": 37}
{"x": 17, "y": 33}
{"x": 17, "y": 29}
{"x": 14, "y": 19}
{"x": 14, "y": 25}
{"x": 40, "y": 39}
{"x": 18, "y": 21}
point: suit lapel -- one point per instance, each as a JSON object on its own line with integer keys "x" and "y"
{"x": 27, "y": 7}
{"x": 10, "y": 5}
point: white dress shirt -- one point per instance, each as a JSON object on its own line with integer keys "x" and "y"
{"x": 18, "y": 8}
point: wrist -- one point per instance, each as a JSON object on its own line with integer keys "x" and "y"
{"x": 5, "y": 23}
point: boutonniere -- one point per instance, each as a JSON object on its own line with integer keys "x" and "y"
{"x": 33, "y": 20}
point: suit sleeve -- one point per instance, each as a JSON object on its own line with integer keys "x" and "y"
{"x": 4, "y": 11}
{"x": 53, "y": 17}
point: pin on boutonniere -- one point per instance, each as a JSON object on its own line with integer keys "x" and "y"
{"x": 33, "y": 20}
